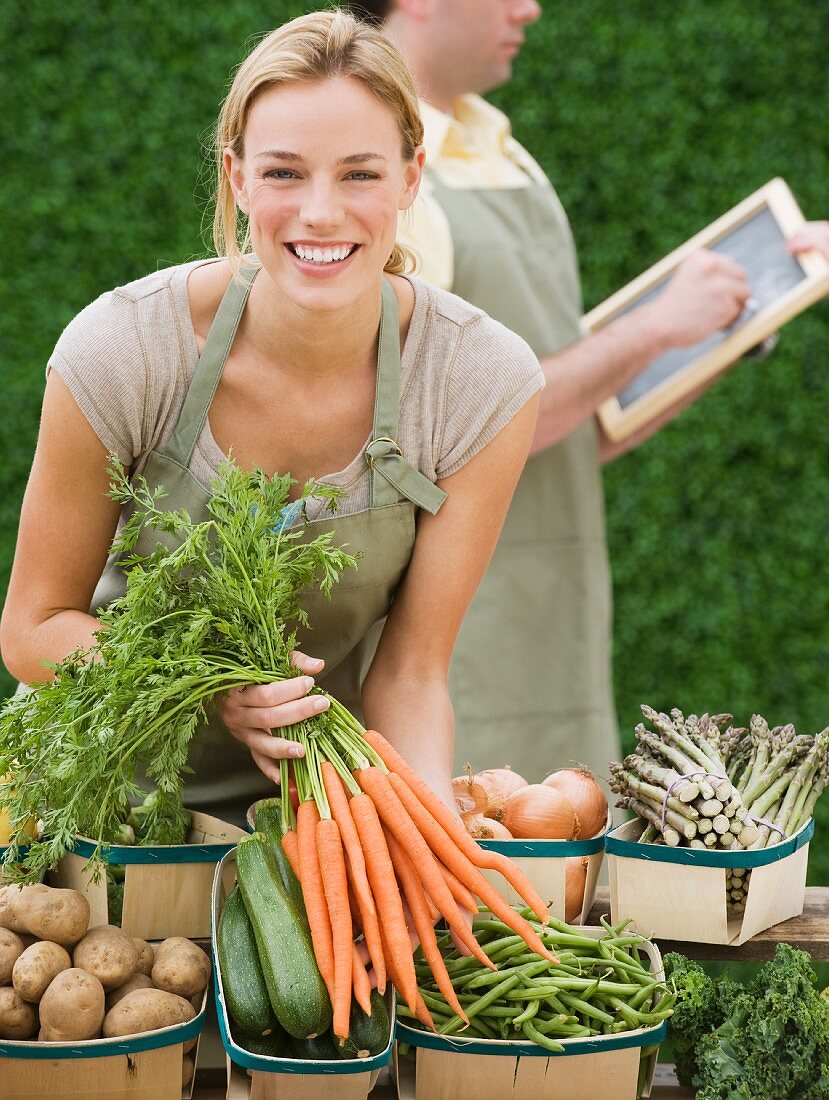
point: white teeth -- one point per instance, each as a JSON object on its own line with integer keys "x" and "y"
{"x": 322, "y": 256}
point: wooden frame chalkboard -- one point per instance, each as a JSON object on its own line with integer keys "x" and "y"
{"x": 752, "y": 233}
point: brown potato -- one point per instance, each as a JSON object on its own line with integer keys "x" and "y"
{"x": 181, "y": 967}
{"x": 137, "y": 981}
{"x": 146, "y": 1010}
{"x": 9, "y": 901}
{"x": 37, "y": 968}
{"x": 72, "y": 1008}
{"x": 188, "y": 1068}
{"x": 47, "y": 912}
{"x": 11, "y": 948}
{"x": 146, "y": 956}
{"x": 18, "y": 1020}
{"x": 109, "y": 954}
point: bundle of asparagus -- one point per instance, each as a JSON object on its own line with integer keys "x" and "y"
{"x": 700, "y": 782}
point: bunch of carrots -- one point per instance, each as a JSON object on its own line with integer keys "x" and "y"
{"x": 369, "y": 840}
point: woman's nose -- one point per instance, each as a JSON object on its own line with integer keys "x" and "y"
{"x": 321, "y": 206}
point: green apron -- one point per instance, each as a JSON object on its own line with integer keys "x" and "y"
{"x": 531, "y": 681}
{"x": 225, "y": 779}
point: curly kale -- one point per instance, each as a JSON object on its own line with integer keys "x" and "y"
{"x": 772, "y": 1042}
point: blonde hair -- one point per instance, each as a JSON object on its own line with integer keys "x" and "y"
{"x": 312, "y": 47}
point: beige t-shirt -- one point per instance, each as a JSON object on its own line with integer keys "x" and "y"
{"x": 129, "y": 356}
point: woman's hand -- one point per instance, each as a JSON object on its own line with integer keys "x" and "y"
{"x": 250, "y": 713}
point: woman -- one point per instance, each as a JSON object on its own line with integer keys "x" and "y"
{"x": 312, "y": 355}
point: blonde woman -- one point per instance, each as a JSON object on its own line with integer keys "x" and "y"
{"x": 303, "y": 348}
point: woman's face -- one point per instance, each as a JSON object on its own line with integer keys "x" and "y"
{"x": 322, "y": 181}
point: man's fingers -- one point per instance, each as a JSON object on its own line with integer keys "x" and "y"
{"x": 311, "y": 665}
{"x": 262, "y": 743}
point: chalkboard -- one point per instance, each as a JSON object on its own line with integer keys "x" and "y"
{"x": 753, "y": 234}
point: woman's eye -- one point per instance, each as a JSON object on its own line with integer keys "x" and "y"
{"x": 280, "y": 174}
{"x": 362, "y": 176}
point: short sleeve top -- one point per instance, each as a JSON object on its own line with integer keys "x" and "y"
{"x": 129, "y": 356}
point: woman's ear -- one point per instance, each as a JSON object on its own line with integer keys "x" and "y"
{"x": 236, "y": 177}
{"x": 414, "y": 174}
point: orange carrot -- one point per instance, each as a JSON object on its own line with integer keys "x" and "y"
{"x": 423, "y": 1014}
{"x": 418, "y": 1005}
{"x": 441, "y": 843}
{"x": 413, "y": 889}
{"x": 360, "y": 981}
{"x": 341, "y": 812}
{"x": 313, "y": 892}
{"x": 460, "y": 893}
{"x": 355, "y": 911}
{"x": 395, "y": 934}
{"x": 335, "y": 884}
{"x": 492, "y": 860}
{"x": 395, "y": 818}
{"x": 289, "y": 847}
{"x": 434, "y": 912}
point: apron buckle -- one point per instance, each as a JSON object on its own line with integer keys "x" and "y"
{"x": 373, "y": 451}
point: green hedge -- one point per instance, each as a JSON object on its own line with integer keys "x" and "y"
{"x": 651, "y": 119}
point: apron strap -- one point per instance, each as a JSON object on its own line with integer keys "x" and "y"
{"x": 391, "y": 475}
{"x": 209, "y": 368}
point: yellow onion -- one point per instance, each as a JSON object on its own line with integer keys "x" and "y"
{"x": 536, "y": 812}
{"x": 585, "y": 796}
{"x": 499, "y": 784}
{"x": 487, "y": 828}
{"x": 470, "y": 797}
{"x": 575, "y": 880}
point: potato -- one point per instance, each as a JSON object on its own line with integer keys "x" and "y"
{"x": 137, "y": 981}
{"x": 109, "y": 954}
{"x": 72, "y": 1007}
{"x": 188, "y": 1068}
{"x": 146, "y": 1010}
{"x": 18, "y": 1020}
{"x": 11, "y": 948}
{"x": 47, "y": 912}
{"x": 146, "y": 956}
{"x": 37, "y": 968}
{"x": 181, "y": 967}
{"x": 9, "y": 901}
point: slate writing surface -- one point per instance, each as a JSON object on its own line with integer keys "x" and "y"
{"x": 758, "y": 246}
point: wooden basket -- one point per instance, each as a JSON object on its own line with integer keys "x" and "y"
{"x": 167, "y": 888}
{"x": 286, "y": 1078}
{"x": 680, "y": 893}
{"x": 609, "y": 1067}
{"x": 142, "y": 1067}
{"x": 543, "y": 862}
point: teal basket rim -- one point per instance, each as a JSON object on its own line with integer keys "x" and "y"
{"x": 163, "y": 853}
{"x": 660, "y": 853}
{"x": 560, "y": 848}
{"x": 595, "y": 1045}
{"x": 317, "y": 1068}
{"x": 31, "y": 1049}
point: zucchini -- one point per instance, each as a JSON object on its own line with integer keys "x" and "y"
{"x": 275, "y": 1045}
{"x": 283, "y": 942}
{"x": 320, "y": 1049}
{"x": 367, "y": 1035}
{"x": 246, "y": 994}
{"x": 267, "y": 817}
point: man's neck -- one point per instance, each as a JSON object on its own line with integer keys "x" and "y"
{"x": 433, "y": 82}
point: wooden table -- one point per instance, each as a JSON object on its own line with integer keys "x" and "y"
{"x": 810, "y": 932}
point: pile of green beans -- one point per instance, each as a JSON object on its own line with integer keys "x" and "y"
{"x": 600, "y": 986}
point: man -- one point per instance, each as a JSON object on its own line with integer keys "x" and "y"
{"x": 531, "y": 677}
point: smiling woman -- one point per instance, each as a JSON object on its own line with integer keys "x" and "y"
{"x": 303, "y": 347}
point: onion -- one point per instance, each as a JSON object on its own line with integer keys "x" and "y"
{"x": 575, "y": 880}
{"x": 585, "y": 796}
{"x": 470, "y": 797}
{"x": 487, "y": 828}
{"x": 536, "y": 812}
{"x": 499, "y": 784}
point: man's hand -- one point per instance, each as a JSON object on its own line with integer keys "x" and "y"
{"x": 707, "y": 293}
{"x": 813, "y": 235}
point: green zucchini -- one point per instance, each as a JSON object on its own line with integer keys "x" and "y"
{"x": 246, "y": 994}
{"x": 267, "y": 817}
{"x": 275, "y": 1045}
{"x": 367, "y": 1035}
{"x": 322, "y": 1048}
{"x": 283, "y": 942}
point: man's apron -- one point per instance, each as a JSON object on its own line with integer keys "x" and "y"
{"x": 531, "y": 679}
{"x": 225, "y": 779}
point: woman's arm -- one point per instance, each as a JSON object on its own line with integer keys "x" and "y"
{"x": 405, "y": 694}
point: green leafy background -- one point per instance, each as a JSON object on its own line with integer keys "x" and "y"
{"x": 651, "y": 119}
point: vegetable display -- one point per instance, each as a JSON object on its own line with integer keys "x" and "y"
{"x": 699, "y": 782}
{"x": 597, "y": 986}
{"x": 765, "y": 1041}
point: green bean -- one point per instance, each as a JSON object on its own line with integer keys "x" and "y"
{"x": 587, "y": 1009}
{"x": 638, "y": 999}
{"x": 487, "y": 999}
{"x": 528, "y": 1013}
{"x": 538, "y": 1037}
{"x": 576, "y": 985}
